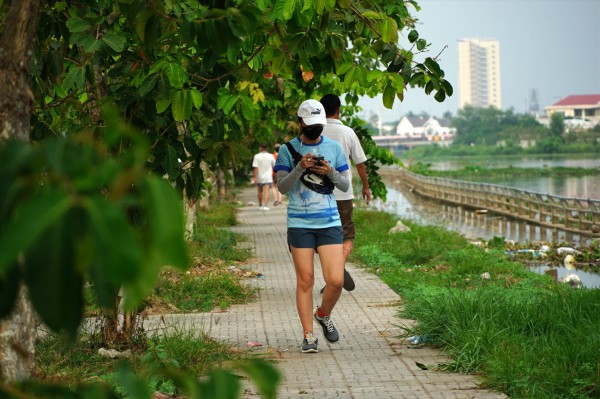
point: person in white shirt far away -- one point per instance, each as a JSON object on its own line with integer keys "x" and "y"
{"x": 262, "y": 167}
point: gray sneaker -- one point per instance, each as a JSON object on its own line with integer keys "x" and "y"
{"x": 329, "y": 330}
{"x": 309, "y": 344}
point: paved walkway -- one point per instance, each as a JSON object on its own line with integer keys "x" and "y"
{"x": 369, "y": 361}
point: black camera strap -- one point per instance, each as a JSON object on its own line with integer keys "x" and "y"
{"x": 322, "y": 184}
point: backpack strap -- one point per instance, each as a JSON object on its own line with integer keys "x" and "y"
{"x": 295, "y": 154}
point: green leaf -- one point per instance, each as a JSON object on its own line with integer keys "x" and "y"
{"x": 388, "y": 29}
{"x": 196, "y": 98}
{"x": 53, "y": 275}
{"x": 440, "y": 96}
{"x": 248, "y": 109}
{"x": 226, "y": 103}
{"x": 171, "y": 162}
{"x": 164, "y": 236}
{"x": 413, "y": 36}
{"x": 264, "y": 375}
{"x": 114, "y": 41}
{"x": 33, "y": 217}
{"x": 448, "y": 87}
{"x": 389, "y": 95}
{"x": 177, "y": 74}
{"x": 148, "y": 84}
{"x": 135, "y": 386}
{"x": 90, "y": 43}
{"x": 166, "y": 229}
{"x": 115, "y": 243}
{"x": 9, "y": 288}
{"x": 429, "y": 87}
{"x": 284, "y": 9}
{"x": 416, "y": 78}
{"x": 221, "y": 384}
{"x": 182, "y": 105}
{"x": 343, "y": 68}
{"x": 421, "y": 44}
{"x": 433, "y": 66}
{"x": 162, "y": 105}
{"x": 76, "y": 24}
{"x": 192, "y": 147}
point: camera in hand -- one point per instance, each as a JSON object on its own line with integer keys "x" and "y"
{"x": 319, "y": 161}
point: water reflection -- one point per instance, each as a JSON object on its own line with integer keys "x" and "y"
{"x": 470, "y": 223}
{"x": 479, "y": 225}
{"x": 586, "y": 187}
{"x": 573, "y": 187}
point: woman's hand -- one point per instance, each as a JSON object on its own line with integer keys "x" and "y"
{"x": 321, "y": 167}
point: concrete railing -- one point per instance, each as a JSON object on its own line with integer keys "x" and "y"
{"x": 570, "y": 214}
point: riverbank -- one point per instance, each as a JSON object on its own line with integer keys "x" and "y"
{"x": 492, "y": 315}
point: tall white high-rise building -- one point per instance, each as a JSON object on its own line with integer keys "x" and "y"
{"x": 479, "y": 73}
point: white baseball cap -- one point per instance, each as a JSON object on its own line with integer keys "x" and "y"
{"x": 312, "y": 112}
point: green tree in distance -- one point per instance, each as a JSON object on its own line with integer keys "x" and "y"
{"x": 488, "y": 126}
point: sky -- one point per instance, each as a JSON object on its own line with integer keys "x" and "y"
{"x": 552, "y": 46}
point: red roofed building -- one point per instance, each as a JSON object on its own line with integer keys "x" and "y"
{"x": 585, "y": 107}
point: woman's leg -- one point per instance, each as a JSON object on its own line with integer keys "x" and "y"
{"x": 332, "y": 263}
{"x": 305, "y": 279}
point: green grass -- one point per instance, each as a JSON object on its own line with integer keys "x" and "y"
{"x": 79, "y": 363}
{"x": 524, "y": 334}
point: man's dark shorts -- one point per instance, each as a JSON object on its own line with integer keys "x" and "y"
{"x": 313, "y": 238}
{"x": 345, "y": 208}
{"x": 264, "y": 184}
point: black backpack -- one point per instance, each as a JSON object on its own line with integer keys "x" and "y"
{"x": 321, "y": 184}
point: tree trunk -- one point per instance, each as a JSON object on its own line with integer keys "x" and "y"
{"x": 17, "y": 332}
{"x": 17, "y": 340}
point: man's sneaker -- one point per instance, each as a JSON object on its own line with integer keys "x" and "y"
{"x": 309, "y": 344}
{"x": 329, "y": 330}
{"x": 348, "y": 282}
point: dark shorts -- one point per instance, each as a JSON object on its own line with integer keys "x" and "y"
{"x": 313, "y": 238}
{"x": 264, "y": 184}
{"x": 346, "y": 208}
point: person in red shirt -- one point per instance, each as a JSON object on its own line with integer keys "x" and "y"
{"x": 277, "y": 196}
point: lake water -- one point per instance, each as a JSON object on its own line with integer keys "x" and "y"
{"x": 486, "y": 226}
{"x": 587, "y": 187}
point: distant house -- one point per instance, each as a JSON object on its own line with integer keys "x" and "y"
{"x": 438, "y": 129}
{"x": 578, "y": 108}
{"x": 431, "y": 129}
{"x": 410, "y": 127}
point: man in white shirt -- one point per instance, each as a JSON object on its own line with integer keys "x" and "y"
{"x": 262, "y": 167}
{"x": 344, "y": 135}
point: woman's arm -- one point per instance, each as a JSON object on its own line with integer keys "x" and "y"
{"x": 286, "y": 180}
{"x": 340, "y": 180}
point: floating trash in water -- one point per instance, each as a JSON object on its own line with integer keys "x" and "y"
{"x": 569, "y": 262}
{"x": 567, "y": 250}
{"x": 573, "y": 280}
